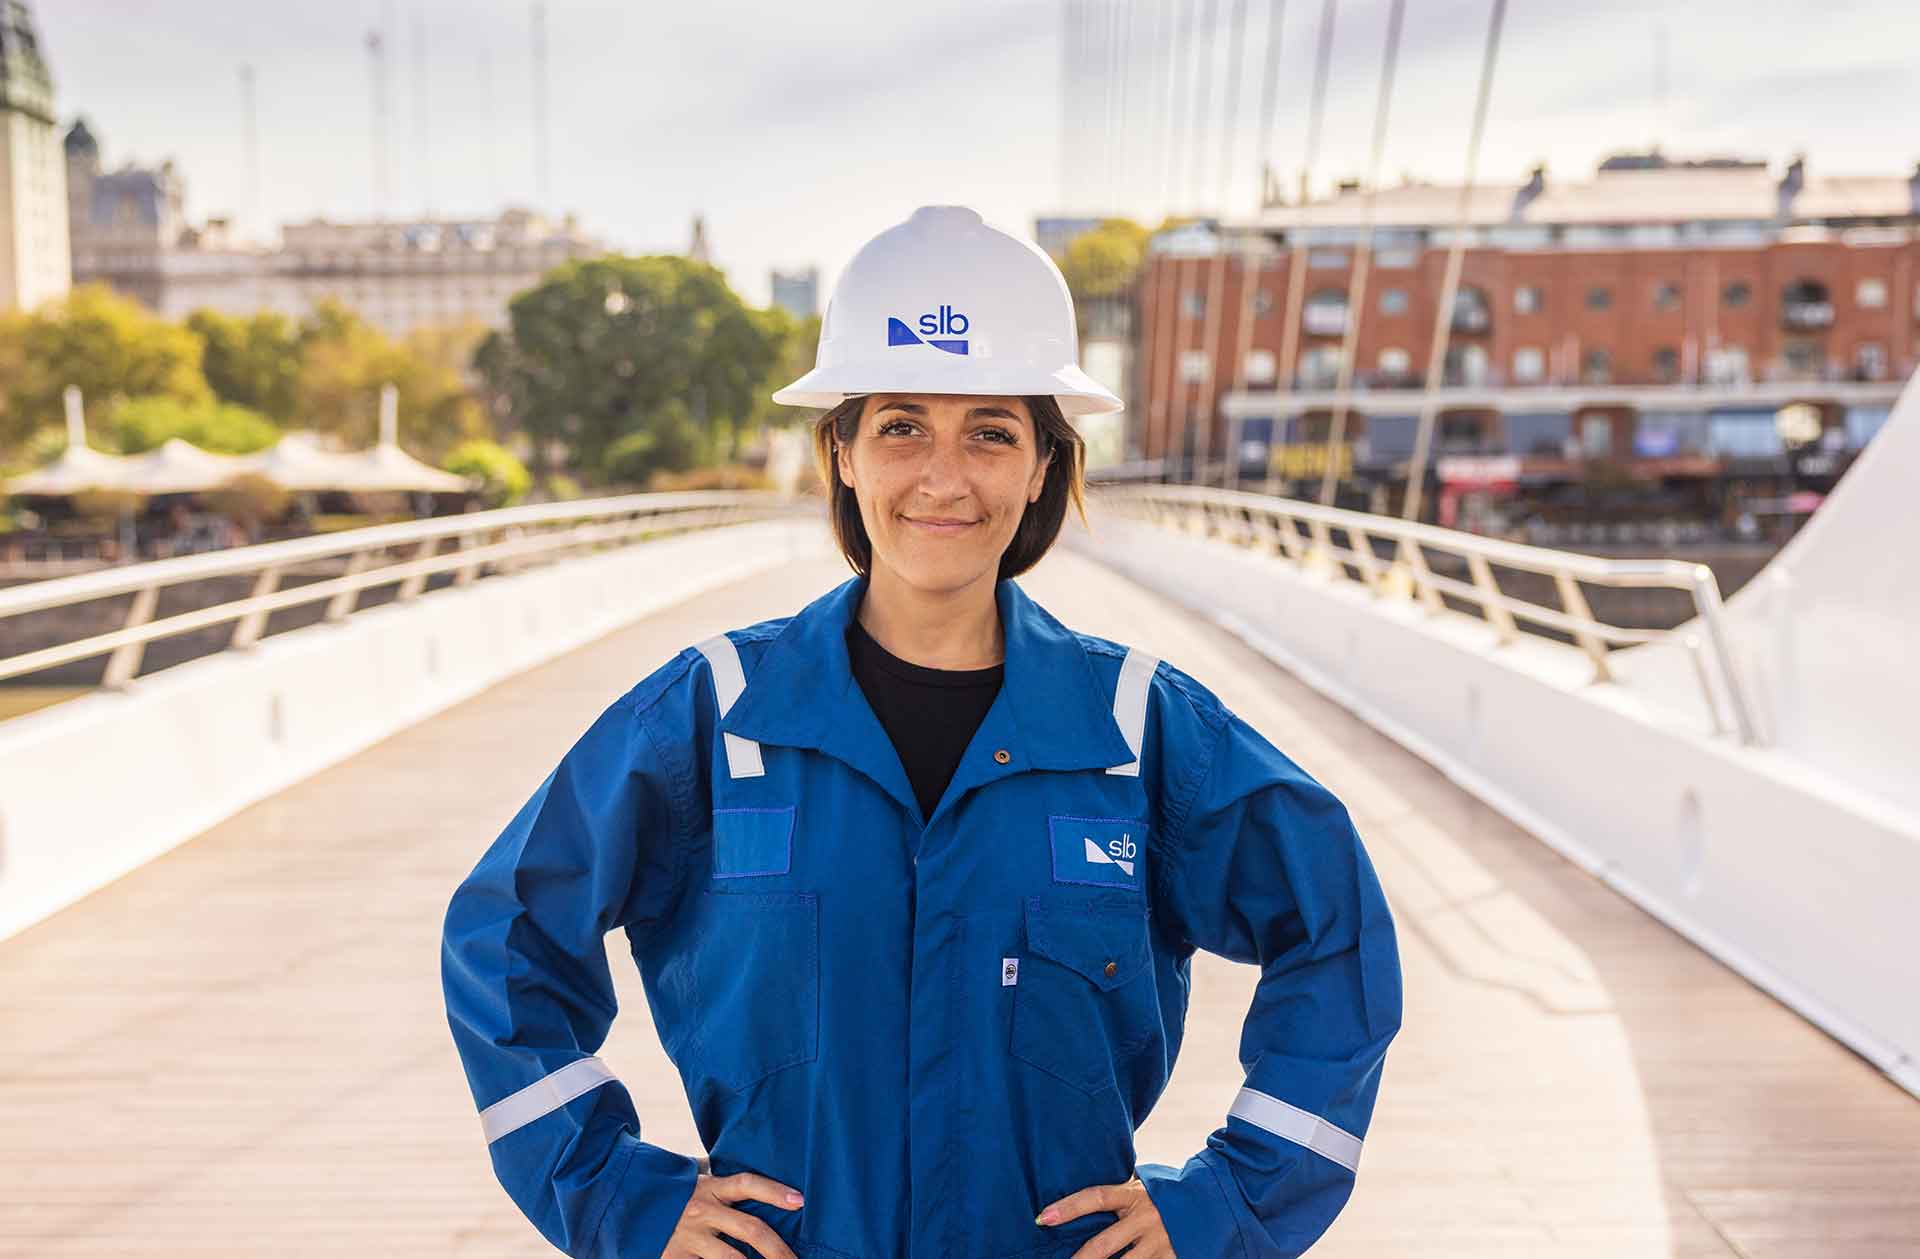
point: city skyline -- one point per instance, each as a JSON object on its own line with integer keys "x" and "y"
{"x": 657, "y": 118}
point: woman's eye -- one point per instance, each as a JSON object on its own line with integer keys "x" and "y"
{"x": 1002, "y": 434}
{"x": 893, "y": 424}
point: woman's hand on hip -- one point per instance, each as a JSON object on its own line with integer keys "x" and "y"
{"x": 708, "y": 1217}
{"x": 1139, "y": 1224}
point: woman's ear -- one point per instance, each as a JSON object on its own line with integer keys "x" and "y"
{"x": 841, "y": 465}
{"x": 1040, "y": 477}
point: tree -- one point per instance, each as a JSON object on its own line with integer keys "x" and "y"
{"x": 108, "y": 345}
{"x": 139, "y": 424}
{"x": 600, "y": 347}
{"x": 504, "y": 479}
{"x": 252, "y": 361}
{"x": 669, "y": 441}
{"x": 344, "y": 361}
{"x": 799, "y": 343}
{"x": 1104, "y": 261}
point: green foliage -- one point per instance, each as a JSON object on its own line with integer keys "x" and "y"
{"x": 1103, "y": 262}
{"x": 253, "y": 361}
{"x": 505, "y": 479}
{"x": 108, "y": 345}
{"x": 798, "y": 341}
{"x": 600, "y": 349}
{"x": 561, "y": 488}
{"x": 666, "y": 441}
{"x": 345, "y": 360}
{"x": 138, "y": 424}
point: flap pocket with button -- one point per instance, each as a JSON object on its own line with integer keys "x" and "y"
{"x": 1084, "y": 1003}
{"x": 1106, "y": 944}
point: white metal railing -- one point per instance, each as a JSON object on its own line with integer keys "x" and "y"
{"x": 502, "y": 541}
{"x": 1304, "y": 533}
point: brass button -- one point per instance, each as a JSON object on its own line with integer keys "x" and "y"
{"x": 1111, "y": 968}
{"x": 1002, "y": 756}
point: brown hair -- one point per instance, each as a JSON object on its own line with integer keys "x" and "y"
{"x": 1039, "y": 524}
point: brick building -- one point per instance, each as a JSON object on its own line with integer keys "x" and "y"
{"x": 1649, "y": 325}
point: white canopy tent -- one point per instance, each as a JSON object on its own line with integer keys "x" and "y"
{"x": 296, "y": 462}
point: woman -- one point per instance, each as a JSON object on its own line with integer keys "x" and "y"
{"x": 914, "y": 876}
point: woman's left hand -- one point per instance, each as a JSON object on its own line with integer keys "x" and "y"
{"x": 1138, "y": 1226}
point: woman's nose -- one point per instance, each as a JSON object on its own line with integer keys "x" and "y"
{"x": 944, "y": 467}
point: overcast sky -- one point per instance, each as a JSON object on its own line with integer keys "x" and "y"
{"x": 801, "y": 129}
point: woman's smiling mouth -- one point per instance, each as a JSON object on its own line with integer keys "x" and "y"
{"x": 940, "y": 524}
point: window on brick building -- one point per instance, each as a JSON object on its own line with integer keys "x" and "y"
{"x": 1259, "y": 367}
{"x": 1727, "y": 365}
{"x": 1395, "y": 361}
{"x": 1871, "y": 294}
{"x": 1666, "y": 296}
{"x": 1262, "y": 301}
{"x": 1599, "y": 297}
{"x": 1393, "y": 301}
{"x": 1597, "y": 367}
{"x": 1870, "y": 360}
{"x": 1527, "y": 299}
{"x": 1193, "y": 366}
{"x": 1737, "y": 294}
{"x": 1529, "y": 365}
{"x": 1666, "y": 365}
{"x": 1193, "y": 303}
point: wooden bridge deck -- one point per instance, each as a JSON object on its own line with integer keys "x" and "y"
{"x": 241, "y": 1048}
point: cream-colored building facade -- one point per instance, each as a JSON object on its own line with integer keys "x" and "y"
{"x": 131, "y": 232}
{"x": 34, "y": 258}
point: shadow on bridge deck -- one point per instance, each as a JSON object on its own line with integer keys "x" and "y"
{"x": 241, "y": 1047}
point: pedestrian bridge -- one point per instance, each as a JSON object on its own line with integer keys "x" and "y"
{"x": 1653, "y": 890}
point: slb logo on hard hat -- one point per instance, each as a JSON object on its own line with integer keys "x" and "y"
{"x": 945, "y": 329}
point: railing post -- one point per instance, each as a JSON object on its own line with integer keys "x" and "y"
{"x": 464, "y": 575}
{"x": 1288, "y": 535}
{"x": 1416, "y": 560}
{"x": 1368, "y": 564}
{"x": 248, "y": 629}
{"x": 1694, "y": 654}
{"x": 1706, "y": 599}
{"x": 1574, "y": 603}
{"x": 1319, "y": 555}
{"x": 341, "y": 605}
{"x": 410, "y": 587}
{"x": 125, "y": 661}
{"x": 1490, "y": 601}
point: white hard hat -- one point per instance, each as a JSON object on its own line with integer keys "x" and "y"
{"x": 946, "y": 303}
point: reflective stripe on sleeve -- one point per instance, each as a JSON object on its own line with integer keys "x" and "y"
{"x": 1130, "y": 704}
{"x": 743, "y": 755}
{"x": 1298, "y": 1126}
{"x": 543, "y": 1096}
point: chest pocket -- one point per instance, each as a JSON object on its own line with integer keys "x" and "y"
{"x": 1084, "y": 1001}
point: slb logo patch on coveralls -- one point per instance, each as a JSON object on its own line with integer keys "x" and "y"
{"x": 1103, "y": 851}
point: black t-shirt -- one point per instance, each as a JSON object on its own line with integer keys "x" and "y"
{"x": 930, "y": 714}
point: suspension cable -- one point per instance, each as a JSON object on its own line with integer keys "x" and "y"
{"x": 1297, "y": 244}
{"x": 1362, "y": 259}
{"x": 1449, "y": 288}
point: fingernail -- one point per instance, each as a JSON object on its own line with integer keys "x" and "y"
{"x": 793, "y": 1199}
{"x": 1047, "y": 1216}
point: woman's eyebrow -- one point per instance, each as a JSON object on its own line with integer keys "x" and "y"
{"x": 914, "y": 408}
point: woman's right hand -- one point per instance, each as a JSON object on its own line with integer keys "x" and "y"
{"x": 708, "y": 1217}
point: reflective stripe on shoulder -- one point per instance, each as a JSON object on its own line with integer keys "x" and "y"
{"x": 542, "y": 1097}
{"x": 1130, "y": 704}
{"x": 1298, "y": 1126}
{"x": 743, "y": 755}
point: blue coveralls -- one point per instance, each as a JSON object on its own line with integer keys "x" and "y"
{"x": 931, "y": 1027}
